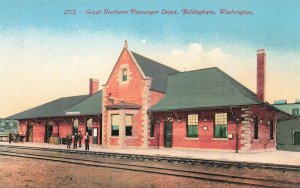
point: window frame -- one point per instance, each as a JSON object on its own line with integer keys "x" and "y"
{"x": 111, "y": 124}
{"x": 188, "y": 135}
{"x": 131, "y": 115}
{"x": 221, "y": 125}
{"x": 124, "y": 76}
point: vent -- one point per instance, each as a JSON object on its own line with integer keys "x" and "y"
{"x": 280, "y": 102}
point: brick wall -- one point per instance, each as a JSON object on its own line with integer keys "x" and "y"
{"x": 155, "y": 97}
{"x": 38, "y": 132}
{"x": 206, "y": 138}
{"x": 22, "y": 128}
{"x": 263, "y": 141}
{"x": 134, "y": 90}
{"x": 64, "y": 128}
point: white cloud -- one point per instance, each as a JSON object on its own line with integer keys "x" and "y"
{"x": 195, "y": 57}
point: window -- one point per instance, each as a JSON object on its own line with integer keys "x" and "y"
{"x": 192, "y": 125}
{"x": 296, "y": 137}
{"x": 115, "y": 125}
{"x": 124, "y": 74}
{"x": 220, "y": 129}
{"x": 75, "y": 127}
{"x": 128, "y": 125}
{"x": 152, "y": 123}
{"x": 271, "y": 130}
{"x": 256, "y": 127}
{"x": 296, "y": 111}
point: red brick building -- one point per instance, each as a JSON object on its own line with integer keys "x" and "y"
{"x": 59, "y": 117}
{"x": 145, "y": 104}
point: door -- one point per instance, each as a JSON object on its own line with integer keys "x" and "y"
{"x": 29, "y": 133}
{"x": 168, "y": 132}
{"x": 95, "y": 135}
{"x": 48, "y": 132}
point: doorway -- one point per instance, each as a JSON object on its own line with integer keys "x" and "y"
{"x": 29, "y": 133}
{"x": 168, "y": 131}
{"x": 48, "y": 131}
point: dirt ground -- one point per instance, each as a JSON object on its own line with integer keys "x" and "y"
{"x": 21, "y": 172}
{"x": 18, "y": 172}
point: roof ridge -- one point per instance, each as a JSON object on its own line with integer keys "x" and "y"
{"x": 154, "y": 61}
{"x": 237, "y": 84}
{"x": 73, "y": 96}
{"x": 192, "y": 71}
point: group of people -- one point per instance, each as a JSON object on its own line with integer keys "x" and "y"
{"x": 14, "y": 137}
{"x": 78, "y": 138}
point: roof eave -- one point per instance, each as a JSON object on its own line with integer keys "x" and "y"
{"x": 202, "y": 108}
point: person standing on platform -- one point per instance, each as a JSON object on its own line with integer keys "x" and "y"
{"x": 9, "y": 137}
{"x": 79, "y": 138}
{"x": 69, "y": 140}
{"x": 87, "y": 141}
{"x": 75, "y": 141}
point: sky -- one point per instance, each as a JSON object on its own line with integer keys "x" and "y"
{"x": 45, "y": 54}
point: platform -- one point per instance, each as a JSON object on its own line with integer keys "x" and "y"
{"x": 272, "y": 157}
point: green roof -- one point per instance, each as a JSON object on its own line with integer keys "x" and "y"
{"x": 54, "y": 108}
{"x": 158, "y": 72}
{"x": 204, "y": 88}
{"x": 66, "y": 106}
{"x": 288, "y": 108}
{"x": 89, "y": 106}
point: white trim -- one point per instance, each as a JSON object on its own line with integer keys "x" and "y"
{"x": 191, "y": 138}
{"x": 130, "y": 137}
{"x": 220, "y": 139}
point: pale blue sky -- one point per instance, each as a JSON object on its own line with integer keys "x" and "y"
{"x": 274, "y": 24}
{"x": 45, "y": 55}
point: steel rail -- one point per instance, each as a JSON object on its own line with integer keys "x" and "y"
{"x": 120, "y": 166}
{"x": 85, "y": 163}
{"x": 294, "y": 168}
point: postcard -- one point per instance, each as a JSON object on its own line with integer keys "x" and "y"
{"x": 149, "y": 93}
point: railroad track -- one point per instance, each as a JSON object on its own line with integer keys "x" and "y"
{"x": 221, "y": 178}
{"x": 212, "y": 163}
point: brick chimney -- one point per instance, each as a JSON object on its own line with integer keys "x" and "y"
{"x": 94, "y": 86}
{"x": 261, "y": 74}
